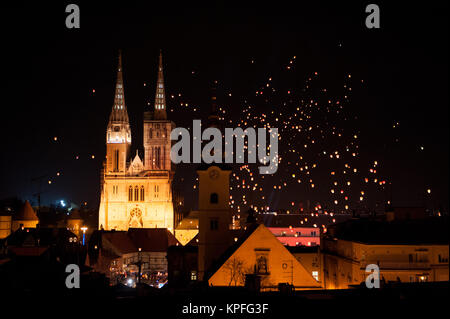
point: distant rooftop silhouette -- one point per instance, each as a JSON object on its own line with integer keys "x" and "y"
{"x": 26, "y": 213}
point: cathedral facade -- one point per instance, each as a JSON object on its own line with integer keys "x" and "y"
{"x": 137, "y": 192}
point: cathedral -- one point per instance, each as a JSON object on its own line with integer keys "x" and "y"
{"x": 137, "y": 192}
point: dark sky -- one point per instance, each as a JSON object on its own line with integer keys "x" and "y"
{"x": 51, "y": 72}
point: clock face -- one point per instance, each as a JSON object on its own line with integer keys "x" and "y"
{"x": 214, "y": 174}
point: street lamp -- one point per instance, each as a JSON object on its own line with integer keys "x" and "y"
{"x": 84, "y": 228}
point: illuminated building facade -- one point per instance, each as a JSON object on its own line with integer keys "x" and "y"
{"x": 214, "y": 216}
{"x": 121, "y": 256}
{"x": 297, "y": 236}
{"x": 405, "y": 251}
{"x": 259, "y": 253}
{"x": 26, "y": 218}
{"x": 137, "y": 193}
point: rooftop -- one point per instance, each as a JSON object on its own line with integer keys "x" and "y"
{"x": 416, "y": 231}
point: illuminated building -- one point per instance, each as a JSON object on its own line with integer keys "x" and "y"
{"x": 214, "y": 215}
{"x": 187, "y": 228}
{"x": 120, "y": 255}
{"x": 259, "y": 253}
{"x": 297, "y": 236}
{"x": 299, "y": 229}
{"x": 137, "y": 193}
{"x": 5, "y": 224}
{"x": 405, "y": 251}
{"x": 75, "y": 222}
{"x": 310, "y": 258}
{"x": 26, "y": 217}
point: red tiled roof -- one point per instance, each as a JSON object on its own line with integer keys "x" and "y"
{"x": 152, "y": 239}
{"x": 148, "y": 239}
{"x": 120, "y": 241}
{"x": 27, "y": 251}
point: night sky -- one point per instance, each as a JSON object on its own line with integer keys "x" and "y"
{"x": 387, "y": 87}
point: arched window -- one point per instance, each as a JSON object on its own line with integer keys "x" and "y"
{"x": 130, "y": 194}
{"x": 142, "y": 193}
{"x": 136, "y": 194}
{"x": 214, "y": 198}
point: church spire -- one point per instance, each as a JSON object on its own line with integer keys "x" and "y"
{"x": 213, "y": 118}
{"x": 118, "y": 130}
{"x": 160, "y": 97}
{"x": 119, "y": 112}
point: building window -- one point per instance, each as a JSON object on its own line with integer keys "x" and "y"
{"x": 315, "y": 274}
{"x": 130, "y": 194}
{"x": 157, "y": 154}
{"x": 214, "y": 198}
{"x": 136, "y": 194}
{"x": 116, "y": 161}
{"x": 142, "y": 193}
{"x": 194, "y": 275}
{"x": 214, "y": 224}
{"x": 156, "y": 191}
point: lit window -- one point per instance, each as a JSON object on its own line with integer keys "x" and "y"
{"x": 136, "y": 194}
{"x": 156, "y": 191}
{"x": 142, "y": 194}
{"x": 130, "y": 194}
{"x": 315, "y": 274}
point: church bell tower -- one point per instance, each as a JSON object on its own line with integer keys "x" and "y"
{"x": 118, "y": 133}
{"x": 157, "y": 128}
{"x": 213, "y": 206}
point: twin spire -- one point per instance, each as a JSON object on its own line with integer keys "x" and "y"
{"x": 119, "y": 112}
{"x": 160, "y": 97}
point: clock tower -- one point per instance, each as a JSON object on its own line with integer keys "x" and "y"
{"x": 214, "y": 208}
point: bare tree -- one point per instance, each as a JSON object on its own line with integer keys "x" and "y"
{"x": 235, "y": 267}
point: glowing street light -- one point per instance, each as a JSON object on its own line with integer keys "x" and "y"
{"x": 84, "y": 229}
